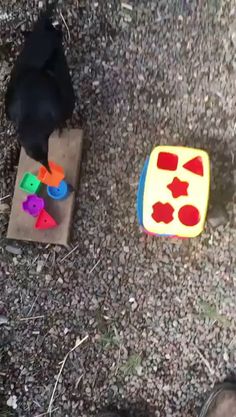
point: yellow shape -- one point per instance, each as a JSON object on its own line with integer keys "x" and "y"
{"x": 155, "y": 190}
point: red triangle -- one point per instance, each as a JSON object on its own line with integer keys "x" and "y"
{"x": 45, "y": 221}
{"x": 195, "y": 165}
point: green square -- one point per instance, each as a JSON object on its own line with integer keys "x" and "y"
{"x": 30, "y": 183}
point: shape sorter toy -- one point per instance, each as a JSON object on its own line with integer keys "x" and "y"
{"x": 66, "y": 151}
{"x": 57, "y": 189}
{"x": 173, "y": 192}
{"x": 53, "y": 178}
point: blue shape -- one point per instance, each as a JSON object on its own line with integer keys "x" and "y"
{"x": 60, "y": 192}
{"x": 164, "y": 235}
{"x": 140, "y": 193}
{"x": 156, "y": 234}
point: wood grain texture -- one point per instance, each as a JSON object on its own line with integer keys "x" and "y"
{"x": 65, "y": 150}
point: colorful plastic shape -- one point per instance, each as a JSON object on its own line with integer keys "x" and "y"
{"x": 189, "y": 215}
{"x": 167, "y": 160}
{"x": 141, "y": 187}
{"x": 162, "y": 212}
{"x": 54, "y": 178}
{"x": 45, "y": 221}
{"x": 195, "y": 165}
{"x": 60, "y": 192}
{"x": 33, "y": 205}
{"x": 171, "y": 201}
{"x": 30, "y": 183}
{"x": 178, "y": 187}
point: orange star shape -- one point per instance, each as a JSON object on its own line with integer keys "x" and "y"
{"x": 178, "y": 187}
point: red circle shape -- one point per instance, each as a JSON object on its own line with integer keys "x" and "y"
{"x": 189, "y": 215}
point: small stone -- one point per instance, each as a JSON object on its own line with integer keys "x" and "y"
{"x": 233, "y": 38}
{"x": 134, "y": 306}
{"x": 217, "y": 217}
{"x": 3, "y": 320}
{"x": 12, "y": 402}
{"x": 13, "y": 250}
{"x": 40, "y": 265}
{"x": 122, "y": 258}
{"x": 130, "y": 127}
{"x": 114, "y": 389}
{"x": 15, "y": 260}
{"x": 60, "y": 280}
{"x": 165, "y": 259}
{"x": 48, "y": 278}
{"x": 139, "y": 370}
{"x": 57, "y": 249}
{"x": 4, "y": 208}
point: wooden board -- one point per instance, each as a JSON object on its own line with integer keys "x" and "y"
{"x": 66, "y": 151}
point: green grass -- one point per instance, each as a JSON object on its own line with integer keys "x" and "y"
{"x": 210, "y": 312}
{"x": 214, "y": 5}
{"x": 110, "y": 339}
{"x": 133, "y": 363}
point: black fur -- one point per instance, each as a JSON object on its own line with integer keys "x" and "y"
{"x": 40, "y": 96}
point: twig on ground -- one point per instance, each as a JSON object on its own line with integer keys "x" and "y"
{"x": 78, "y": 381}
{"x": 69, "y": 253}
{"x": 77, "y": 344}
{"x": 37, "y": 404}
{"x": 31, "y": 318}
{"x": 118, "y": 361}
{"x": 232, "y": 343}
{"x": 68, "y": 30}
{"x": 31, "y": 308}
{"x": 45, "y": 414}
{"x": 35, "y": 260}
{"x": 127, "y": 6}
{"x": 205, "y": 361}
{"x": 21, "y": 23}
{"x": 95, "y": 266}
{"x": 5, "y": 197}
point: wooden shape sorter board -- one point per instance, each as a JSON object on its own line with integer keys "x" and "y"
{"x": 65, "y": 150}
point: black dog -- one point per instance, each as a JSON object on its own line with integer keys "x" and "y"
{"x": 40, "y": 96}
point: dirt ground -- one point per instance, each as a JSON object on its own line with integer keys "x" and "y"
{"x": 159, "y": 314}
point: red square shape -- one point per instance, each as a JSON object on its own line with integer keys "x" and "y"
{"x": 167, "y": 160}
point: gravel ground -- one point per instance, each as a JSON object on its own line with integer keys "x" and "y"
{"x": 160, "y": 314}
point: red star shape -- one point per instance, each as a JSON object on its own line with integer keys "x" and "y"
{"x": 178, "y": 187}
{"x": 162, "y": 212}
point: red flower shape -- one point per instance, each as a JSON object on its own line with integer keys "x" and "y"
{"x": 162, "y": 212}
{"x": 178, "y": 187}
